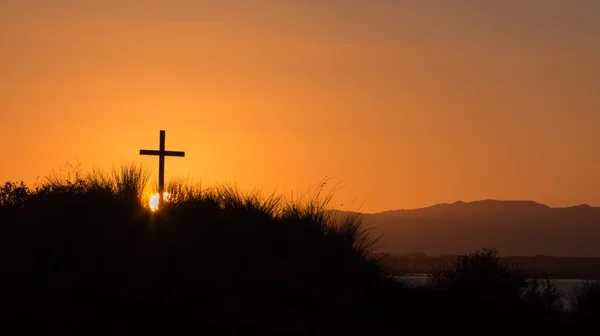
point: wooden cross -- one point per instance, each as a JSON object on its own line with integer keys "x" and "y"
{"x": 161, "y": 153}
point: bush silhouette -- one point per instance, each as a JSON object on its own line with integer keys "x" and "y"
{"x": 482, "y": 286}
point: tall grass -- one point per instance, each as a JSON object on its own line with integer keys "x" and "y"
{"x": 126, "y": 183}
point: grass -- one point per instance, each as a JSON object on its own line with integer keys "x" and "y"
{"x": 82, "y": 252}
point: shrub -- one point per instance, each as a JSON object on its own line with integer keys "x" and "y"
{"x": 482, "y": 283}
{"x": 13, "y": 195}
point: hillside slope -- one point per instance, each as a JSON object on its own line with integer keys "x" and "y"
{"x": 515, "y": 228}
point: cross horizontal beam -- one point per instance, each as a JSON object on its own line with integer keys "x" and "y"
{"x": 159, "y": 153}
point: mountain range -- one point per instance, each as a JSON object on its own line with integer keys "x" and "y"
{"x": 514, "y": 228}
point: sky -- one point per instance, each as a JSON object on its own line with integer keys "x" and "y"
{"x": 400, "y": 104}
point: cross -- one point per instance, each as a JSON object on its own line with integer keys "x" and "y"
{"x": 161, "y": 153}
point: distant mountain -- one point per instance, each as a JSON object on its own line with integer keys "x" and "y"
{"x": 515, "y": 228}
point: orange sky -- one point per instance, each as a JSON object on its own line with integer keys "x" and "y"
{"x": 405, "y": 104}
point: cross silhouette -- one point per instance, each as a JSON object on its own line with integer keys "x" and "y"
{"x": 161, "y": 153}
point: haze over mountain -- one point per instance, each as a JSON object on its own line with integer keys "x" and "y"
{"x": 523, "y": 228}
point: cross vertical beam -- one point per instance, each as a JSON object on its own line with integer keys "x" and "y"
{"x": 161, "y": 169}
{"x": 161, "y": 153}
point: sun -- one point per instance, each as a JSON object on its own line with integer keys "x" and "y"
{"x": 154, "y": 200}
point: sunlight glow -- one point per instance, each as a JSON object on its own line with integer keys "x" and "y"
{"x": 154, "y": 200}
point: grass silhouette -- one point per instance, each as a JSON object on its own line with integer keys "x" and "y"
{"x": 83, "y": 253}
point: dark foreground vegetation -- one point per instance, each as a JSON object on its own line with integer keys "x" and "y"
{"x": 84, "y": 256}
{"x": 554, "y": 267}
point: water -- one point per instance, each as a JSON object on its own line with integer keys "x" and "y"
{"x": 566, "y": 286}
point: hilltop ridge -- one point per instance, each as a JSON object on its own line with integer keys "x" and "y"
{"x": 489, "y": 204}
{"x": 515, "y": 227}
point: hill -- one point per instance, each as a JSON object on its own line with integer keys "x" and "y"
{"x": 516, "y": 228}
{"x": 85, "y": 256}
